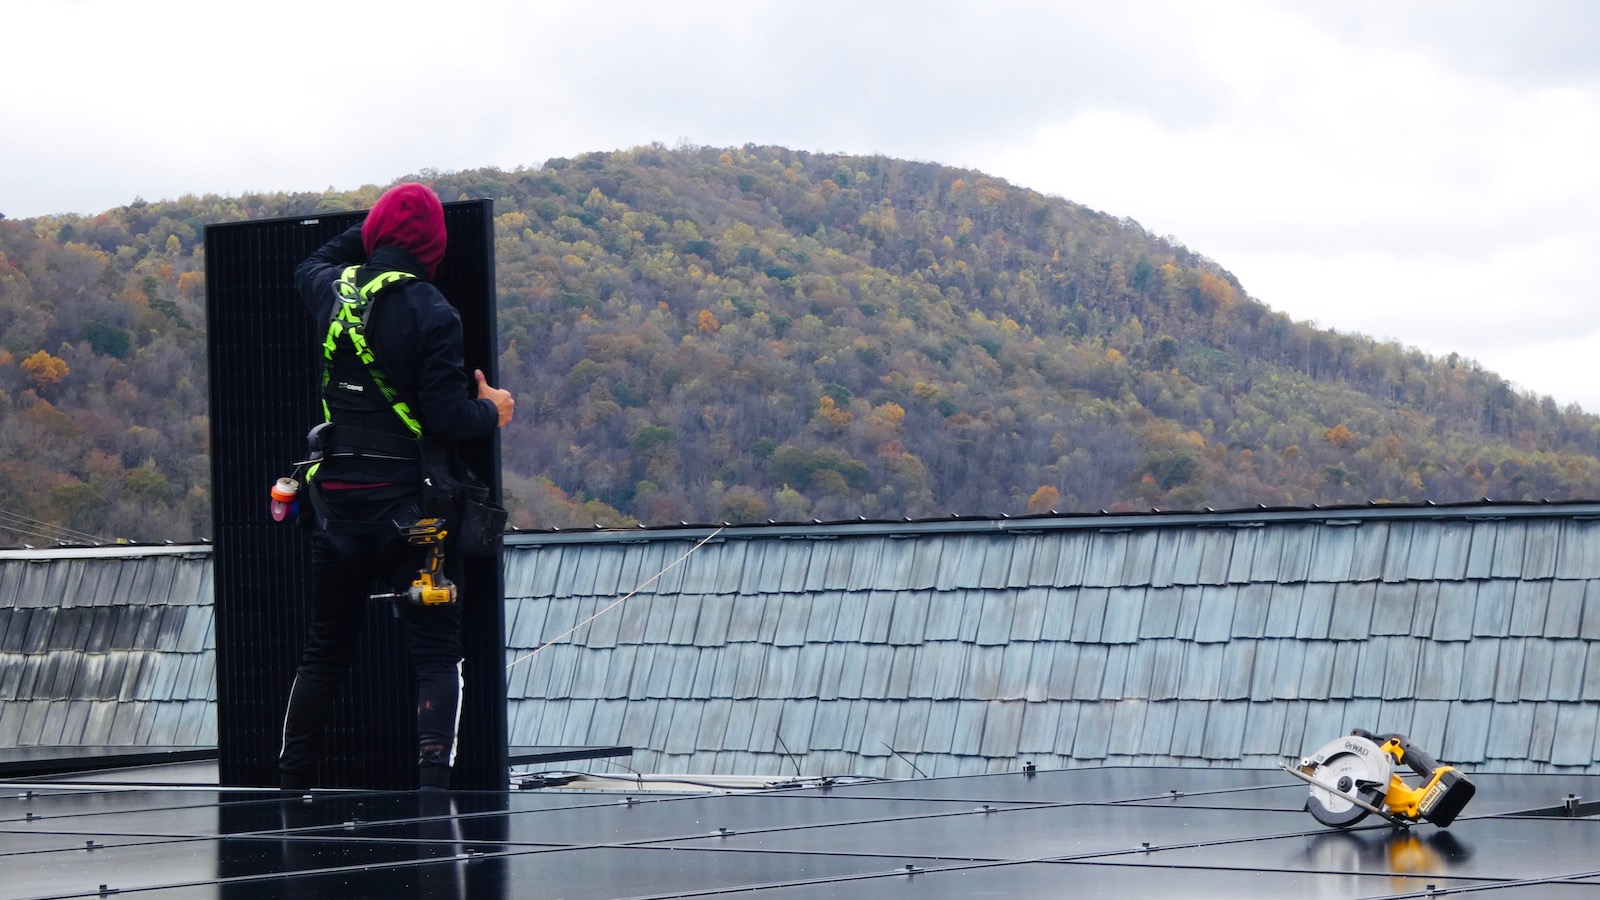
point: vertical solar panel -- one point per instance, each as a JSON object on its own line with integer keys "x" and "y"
{"x": 265, "y": 362}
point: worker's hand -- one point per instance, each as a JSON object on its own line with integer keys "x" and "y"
{"x": 502, "y": 399}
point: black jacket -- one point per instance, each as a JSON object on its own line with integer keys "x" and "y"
{"x": 415, "y": 335}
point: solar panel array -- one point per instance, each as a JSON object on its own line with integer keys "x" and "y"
{"x": 1084, "y": 832}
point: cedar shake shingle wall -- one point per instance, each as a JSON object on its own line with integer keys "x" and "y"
{"x": 856, "y": 649}
{"x": 1236, "y": 643}
{"x": 107, "y": 648}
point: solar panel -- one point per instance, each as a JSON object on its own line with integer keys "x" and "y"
{"x": 264, "y": 374}
{"x": 1079, "y": 832}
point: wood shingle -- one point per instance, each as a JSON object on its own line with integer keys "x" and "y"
{"x": 1194, "y": 642}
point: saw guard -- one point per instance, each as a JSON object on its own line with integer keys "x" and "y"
{"x": 1350, "y": 765}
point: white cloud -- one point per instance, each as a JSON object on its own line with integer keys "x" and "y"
{"x": 1421, "y": 171}
{"x": 1369, "y": 188}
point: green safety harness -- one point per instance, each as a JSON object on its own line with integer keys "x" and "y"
{"x": 350, "y": 320}
{"x": 446, "y": 494}
{"x": 348, "y": 323}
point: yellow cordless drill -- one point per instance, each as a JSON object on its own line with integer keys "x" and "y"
{"x": 430, "y": 587}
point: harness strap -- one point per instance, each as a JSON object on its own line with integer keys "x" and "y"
{"x": 349, "y": 321}
{"x": 338, "y": 440}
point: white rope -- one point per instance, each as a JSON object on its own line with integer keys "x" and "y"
{"x": 618, "y": 602}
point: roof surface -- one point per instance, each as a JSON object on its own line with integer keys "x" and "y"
{"x": 949, "y": 648}
{"x": 1086, "y": 832}
{"x": 969, "y": 647}
{"x": 107, "y": 647}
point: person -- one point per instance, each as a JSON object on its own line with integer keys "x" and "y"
{"x": 397, "y": 399}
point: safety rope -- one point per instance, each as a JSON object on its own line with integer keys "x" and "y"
{"x": 618, "y": 602}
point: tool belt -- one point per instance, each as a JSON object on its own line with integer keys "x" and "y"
{"x": 332, "y": 440}
{"x": 450, "y": 491}
{"x": 458, "y": 496}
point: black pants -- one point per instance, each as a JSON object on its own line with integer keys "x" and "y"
{"x": 346, "y": 569}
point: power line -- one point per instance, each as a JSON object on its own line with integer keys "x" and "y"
{"x": 29, "y": 526}
{"x": 49, "y": 526}
{"x": 39, "y": 533}
{"x": 25, "y": 528}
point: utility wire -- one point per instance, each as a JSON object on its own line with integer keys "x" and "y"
{"x": 27, "y": 525}
{"x": 904, "y": 759}
{"x": 45, "y": 529}
{"x": 792, "y": 761}
{"x": 50, "y": 525}
{"x": 703, "y": 541}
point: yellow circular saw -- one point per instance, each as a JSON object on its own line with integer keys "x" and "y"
{"x": 1355, "y": 776}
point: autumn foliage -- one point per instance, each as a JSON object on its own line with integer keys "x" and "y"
{"x": 43, "y": 369}
{"x": 743, "y": 334}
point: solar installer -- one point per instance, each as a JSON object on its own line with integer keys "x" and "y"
{"x": 397, "y": 401}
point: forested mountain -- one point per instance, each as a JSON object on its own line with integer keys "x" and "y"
{"x": 702, "y": 334}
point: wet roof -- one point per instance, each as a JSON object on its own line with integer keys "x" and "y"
{"x": 1136, "y": 831}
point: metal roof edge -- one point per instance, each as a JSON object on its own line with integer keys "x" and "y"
{"x": 1100, "y": 521}
{"x": 109, "y": 551}
{"x": 313, "y": 217}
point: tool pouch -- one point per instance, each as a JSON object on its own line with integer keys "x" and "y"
{"x": 439, "y": 490}
{"x": 482, "y": 522}
{"x": 475, "y": 522}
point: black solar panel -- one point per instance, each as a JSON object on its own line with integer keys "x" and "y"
{"x": 1081, "y": 832}
{"x": 264, "y": 370}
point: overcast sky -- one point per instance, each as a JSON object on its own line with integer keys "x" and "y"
{"x": 1426, "y": 172}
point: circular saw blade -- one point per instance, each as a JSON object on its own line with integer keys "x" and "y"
{"x": 1354, "y": 765}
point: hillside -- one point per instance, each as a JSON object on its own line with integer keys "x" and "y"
{"x": 705, "y": 335}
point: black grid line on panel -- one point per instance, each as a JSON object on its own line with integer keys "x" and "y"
{"x": 1116, "y": 831}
